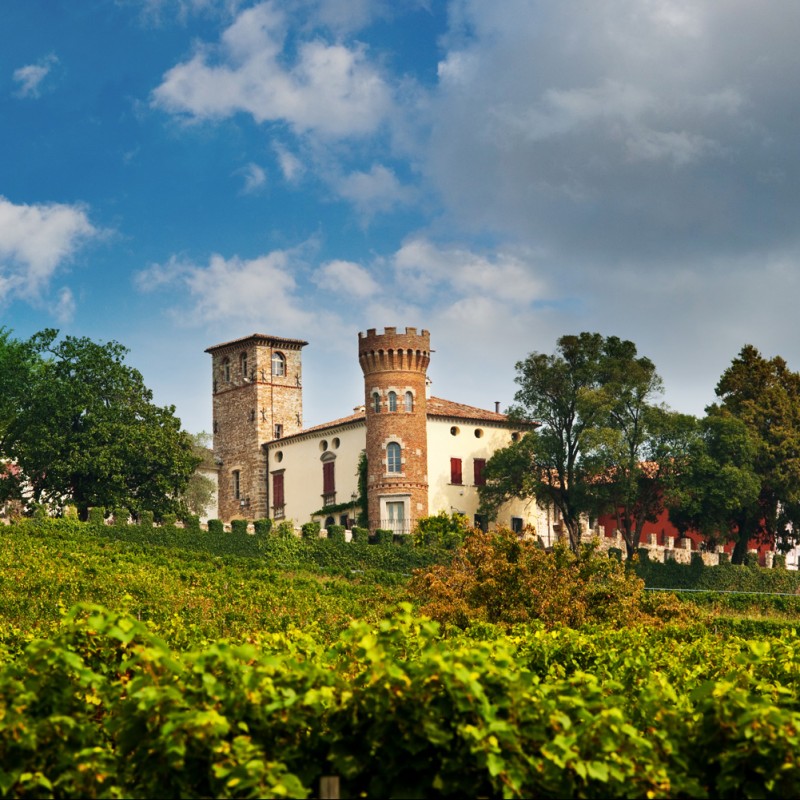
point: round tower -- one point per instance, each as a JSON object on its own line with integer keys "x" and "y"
{"x": 394, "y": 366}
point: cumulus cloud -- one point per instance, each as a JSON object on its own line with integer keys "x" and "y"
{"x": 248, "y": 290}
{"x": 330, "y": 89}
{"x": 424, "y": 268}
{"x": 375, "y": 191}
{"x": 35, "y": 242}
{"x": 31, "y": 76}
{"x": 348, "y": 279}
{"x": 291, "y": 166}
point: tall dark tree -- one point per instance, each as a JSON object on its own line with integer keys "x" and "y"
{"x": 717, "y": 481}
{"x": 86, "y": 432}
{"x": 764, "y": 395}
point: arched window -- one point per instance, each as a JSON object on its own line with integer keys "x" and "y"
{"x": 393, "y": 457}
{"x": 226, "y": 369}
{"x": 392, "y": 401}
{"x": 376, "y": 402}
{"x": 243, "y": 365}
{"x": 278, "y": 365}
{"x": 409, "y": 402}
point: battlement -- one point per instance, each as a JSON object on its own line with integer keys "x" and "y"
{"x": 390, "y": 350}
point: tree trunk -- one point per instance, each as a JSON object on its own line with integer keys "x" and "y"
{"x": 740, "y": 548}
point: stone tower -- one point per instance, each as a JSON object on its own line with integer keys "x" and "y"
{"x": 394, "y": 366}
{"x": 257, "y": 390}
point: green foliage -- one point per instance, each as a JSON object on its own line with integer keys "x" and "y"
{"x": 360, "y": 535}
{"x": 779, "y": 561}
{"x": 168, "y": 520}
{"x": 191, "y": 523}
{"x": 336, "y": 533}
{"x": 121, "y": 515}
{"x": 615, "y": 552}
{"x": 441, "y": 530}
{"x": 215, "y": 527}
{"x": 146, "y": 519}
{"x": 239, "y": 527}
{"x": 285, "y": 529}
{"x": 724, "y": 577}
{"x": 310, "y": 530}
{"x": 85, "y": 430}
{"x": 602, "y": 445}
{"x": 383, "y": 536}
{"x": 262, "y": 527}
{"x": 97, "y": 515}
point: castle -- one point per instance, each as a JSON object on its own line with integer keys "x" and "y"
{"x": 424, "y": 455}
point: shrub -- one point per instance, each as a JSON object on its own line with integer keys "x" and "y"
{"x": 239, "y": 527}
{"x": 146, "y": 519}
{"x": 336, "y": 533}
{"x": 71, "y": 512}
{"x": 97, "y": 516}
{"x": 262, "y": 527}
{"x": 216, "y": 527}
{"x": 500, "y": 579}
{"x": 383, "y": 536}
{"x": 360, "y": 535}
{"x": 644, "y": 555}
{"x": 285, "y": 529}
{"x": 697, "y": 561}
{"x": 724, "y": 558}
{"x": 191, "y": 522}
{"x": 121, "y": 516}
{"x": 615, "y": 552}
{"x": 441, "y": 530}
{"x": 310, "y": 530}
{"x": 168, "y": 520}
{"x": 751, "y": 559}
{"x": 779, "y": 562}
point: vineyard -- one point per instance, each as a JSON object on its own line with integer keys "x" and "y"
{"x": 138, "y": 664}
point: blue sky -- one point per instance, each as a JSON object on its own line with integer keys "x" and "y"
{"x": 177, "y": 173}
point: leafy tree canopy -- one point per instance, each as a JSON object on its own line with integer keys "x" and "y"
{"x": 759, "y": 399}
{"x": 603, "y": 443}
{"x": 81, "y": 428}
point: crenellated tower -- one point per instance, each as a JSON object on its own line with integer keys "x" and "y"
{"x": 395, "y": 372}
{"x": 257, "y": 397}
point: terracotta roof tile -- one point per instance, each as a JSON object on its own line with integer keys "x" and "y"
{"x": 277, "y": 340}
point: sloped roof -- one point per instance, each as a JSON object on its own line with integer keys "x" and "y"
{"x": 437, "y": 407}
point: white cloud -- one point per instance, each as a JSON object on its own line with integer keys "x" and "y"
{"x": 378, "y": 190}
{"x": 347, "y": 279}
{"x": 424, "y": 268}
{"x": 248, "y": 290}
{"x": 30, "y": 77}
{"x": 254, "y": 178}
{"x": 330, "y": 89}
{"x": 64, "y": 307}
{"x": 35, "y": 241}
{"x": 291, "y": 166}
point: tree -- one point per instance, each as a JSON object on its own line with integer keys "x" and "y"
{"x": 764, "y": 395}
{"x": 599, "y": 428}
{"x": 200, "y": 489}
{"x": 716, "y": 481}
{"x": 85, "y": 431}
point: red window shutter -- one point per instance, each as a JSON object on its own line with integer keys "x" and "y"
{"x": 479, "y": 465}
{"x": 328, "y": 484}
{"x": 277, "y": 490}
{"x": 455, "y": 470}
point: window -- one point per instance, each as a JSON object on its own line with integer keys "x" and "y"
{"x": 392, "y": 401}
{"x": 237, "y": 484}
{"x": 376, "y": 402}
{"x": 479, "y": 464}
{"x": 516, "y": 524}
{"x": 481, "y": 522}
{"x": 393, "y": 458}
{"x": 455, "y": 430}
{"x": 409, "y": 401}
{"x": 278, "y": 365}
{"x": 455, "y": 470}
{"x": 226, "y": 369}
{"x": 277, "y": 431}
{"x": 243, "y": 365}
{"x": 277, "y": 491}
{"x": 328, "y": 483}
{"x": 396, "y": 516}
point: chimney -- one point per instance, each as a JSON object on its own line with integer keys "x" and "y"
{"x": 496, "y": 406}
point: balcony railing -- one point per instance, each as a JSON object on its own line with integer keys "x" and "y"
{"x": 396, "y": 525}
